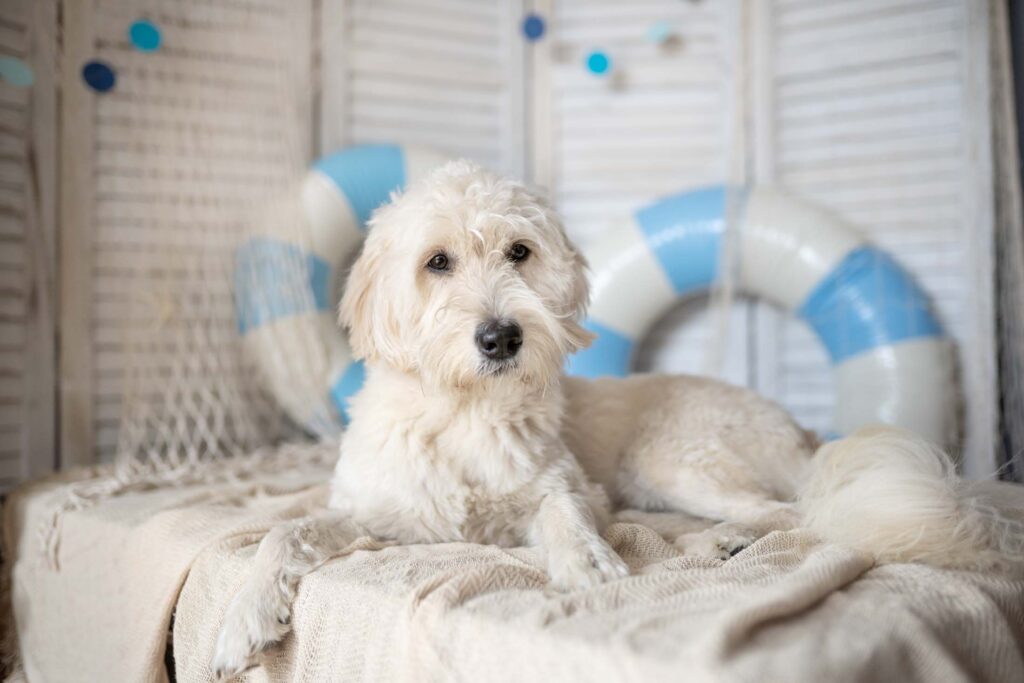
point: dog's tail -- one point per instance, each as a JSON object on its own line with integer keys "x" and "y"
{"x": 892, "y": 494}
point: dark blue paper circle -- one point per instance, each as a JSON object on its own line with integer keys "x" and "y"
{"x": 98, "y": 76}
{"x": 533, "y": 27}
{"x": 145, "y": 35}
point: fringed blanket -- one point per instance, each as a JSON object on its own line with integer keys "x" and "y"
{"x": 785, "y": 609}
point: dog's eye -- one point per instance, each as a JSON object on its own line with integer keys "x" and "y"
{"x": 439, "y": 263}
{"x": 518, "y": 253}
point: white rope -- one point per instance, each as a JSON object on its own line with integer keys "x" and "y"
{"x": 292, "y": 458}
{"x": 193, "y": 407}
{"x": 723, "y": 292}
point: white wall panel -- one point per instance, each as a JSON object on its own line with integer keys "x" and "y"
{"x": 441, "y": 73}
{"x": 874, "y": 117}
{"x": 28, "y": 31}
{"x": 660, "y": 123}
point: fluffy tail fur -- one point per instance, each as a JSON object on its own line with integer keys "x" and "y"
{"x": 892, "y": 494}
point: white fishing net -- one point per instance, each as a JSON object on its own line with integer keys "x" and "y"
{"x": 193, "y": 144}
{"x": 189, "y": 393}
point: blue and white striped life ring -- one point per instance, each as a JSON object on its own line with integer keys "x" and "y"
{"x": 288, "y": 273}
{"x": 891, "y": 361}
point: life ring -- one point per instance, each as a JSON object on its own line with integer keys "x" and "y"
{"x": 288, "y": 273}
{"x": 892, "y": 363}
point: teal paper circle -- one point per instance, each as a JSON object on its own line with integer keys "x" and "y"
{"x": 16, "y": 72}
{"x": 598, "y": 62}
{"x": 145, "y": 35}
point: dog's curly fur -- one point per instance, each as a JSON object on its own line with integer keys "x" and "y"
{"x": 446, "y": 444}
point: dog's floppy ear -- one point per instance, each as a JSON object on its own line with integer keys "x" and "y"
{"x": 367, "y": 313}
{"x": 579, "y": 337}
{"x": 354, "y": 312}
{"x": 579, "y": 287}
{"x": 581, "y": 283}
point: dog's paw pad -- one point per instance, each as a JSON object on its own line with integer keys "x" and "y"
{"x": 715, "y": 543}
{"x": 737, "y": 549}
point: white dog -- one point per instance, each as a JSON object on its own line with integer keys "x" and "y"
{"x": 465, "y": 303}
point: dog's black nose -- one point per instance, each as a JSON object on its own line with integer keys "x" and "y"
{"x": 499, "y": 339}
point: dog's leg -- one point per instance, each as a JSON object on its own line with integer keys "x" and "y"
{"x": 713, "y": 481}
{"x": 746, "y": 517}
{"x": 745, "y": 514}
{"x": 577, "y": 555}
{"x": 693, "y": 535}
{"x": 668, "y": 525}
{"x": 260, "y": 614}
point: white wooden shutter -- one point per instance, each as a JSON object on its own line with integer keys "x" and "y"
{"x": 662, "y": 122}
{"x": 157, "y": 170}
{"x": 27, "y": 243}
{"x": 878, "y": 110}
{"x": 442, "y": 73}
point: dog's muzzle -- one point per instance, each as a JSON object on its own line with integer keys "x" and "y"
{"x": 499, "y": 340}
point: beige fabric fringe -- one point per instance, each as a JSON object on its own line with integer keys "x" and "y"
{"x": 786, "y": 609}
{"x": 106, "y": 481}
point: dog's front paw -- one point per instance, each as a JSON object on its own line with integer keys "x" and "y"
{"x": 586, "y": 565}
{"x": 255, "y": 620}
{"x": 720, "y": 542}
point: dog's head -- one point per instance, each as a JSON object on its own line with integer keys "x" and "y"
{"x": 467, "y": 278}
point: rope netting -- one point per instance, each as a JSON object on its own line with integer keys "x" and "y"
{"x": 196, "y": 140}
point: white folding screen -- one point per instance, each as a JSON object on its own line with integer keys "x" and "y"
{"x": 443, "y": 73}
{"x": 878, "y": 110}
{"x": 875, "y": 109}
{"x": 664, "y": 120}
{"x": 28, "y": 32}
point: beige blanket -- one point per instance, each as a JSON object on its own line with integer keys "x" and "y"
{"x": 786, "y": 609}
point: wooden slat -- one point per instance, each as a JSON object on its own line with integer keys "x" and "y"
{"x": 76, "y": 173}
{"x": 444, "y": 117}
{"x": 865, "y": 151}
{"x": 11, "y": 96}
{"x": 12, "y": 335}
{"x": 182, "y": 34}
{"x": 399, "y": 17}
{"x": 894, "y": 23}
{"x": 838, "y": 58}
{"x": 382, "y": 63}
{"x": 11, "y": 467}
{"x": 400, "y": 89}
{"x": 425, "y": 43}
{"x": 222, "y": 16}
{"x": 13, "y": 283}
{"x": 13, "y": 40}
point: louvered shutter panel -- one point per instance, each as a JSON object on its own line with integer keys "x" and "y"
{"x": 880, "y": 114}
{"x": 661, "y": 122}
{"x": 442, "y": 73}
{"x": 189, "y": 139}
{"x": 27, "y": 242}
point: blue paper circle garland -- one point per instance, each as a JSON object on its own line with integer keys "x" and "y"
{"x": 16, "y": 72}
{"x": 598, "y": 62}
{"x": 659, "y": 32}
{"x": 533, "y": 27}
{"x": 144, "y": 35}
{"x": 99, "y": 76}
